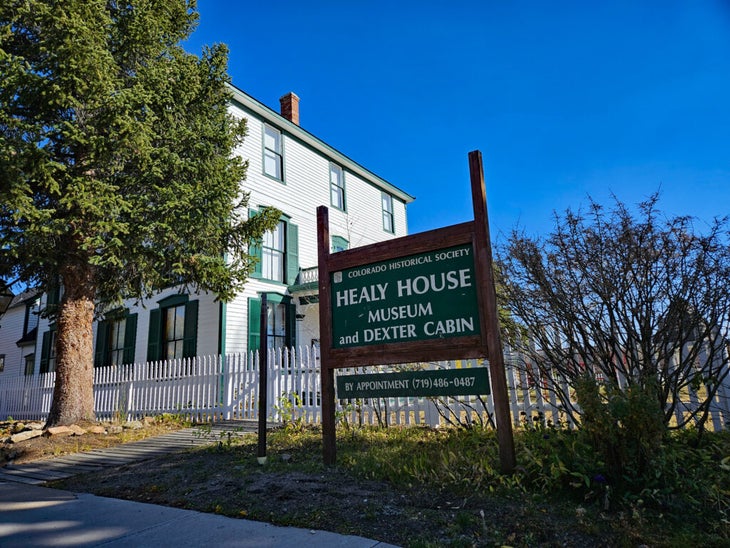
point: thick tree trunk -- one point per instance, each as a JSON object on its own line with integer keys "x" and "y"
{"x": 73, "y": 394}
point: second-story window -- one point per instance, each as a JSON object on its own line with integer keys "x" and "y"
{"x": 272, "y": 253}
{"x": 388, "y": 220}
{"x": 277, "y": 253}
{"x": 337, "y": 187}
{"x": 273, "y": 153}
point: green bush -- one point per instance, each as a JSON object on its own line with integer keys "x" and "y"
{"x": 626, "y": 427}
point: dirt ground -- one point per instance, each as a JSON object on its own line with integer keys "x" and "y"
{"x": 294, "y": 489}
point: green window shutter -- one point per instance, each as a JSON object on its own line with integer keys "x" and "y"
{"x": 190, "y": 334}
{"x": 291, "y": 328}
{"x": 254, "y": 324}
{"x": 255, "y": 251}
{"x": 154, "y": 348}
{"x": 292, "y": 253}
{"x": 130, "y": 338}
{"x": 45, "y": 352}
{"x": 102, "y": 332}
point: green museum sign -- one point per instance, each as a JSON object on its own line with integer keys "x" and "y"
{"x": 431, "y": 295}
{"x": 437, "y": 382}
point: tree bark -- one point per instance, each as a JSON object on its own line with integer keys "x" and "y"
{"x": 73, "y": 393}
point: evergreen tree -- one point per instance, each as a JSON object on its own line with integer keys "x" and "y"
{"x": 117, "y": 176}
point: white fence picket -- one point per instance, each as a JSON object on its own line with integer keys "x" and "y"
{"x": 226, "y": 387}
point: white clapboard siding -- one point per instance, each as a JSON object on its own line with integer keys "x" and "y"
{"x": 10, "y": 332}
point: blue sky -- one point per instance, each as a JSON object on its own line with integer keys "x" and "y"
{"x": 564, "y": 99}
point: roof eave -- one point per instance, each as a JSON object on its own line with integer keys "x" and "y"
{"x": 303, "y": 135}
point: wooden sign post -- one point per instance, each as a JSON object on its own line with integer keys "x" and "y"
{"x": 424, "y": 297}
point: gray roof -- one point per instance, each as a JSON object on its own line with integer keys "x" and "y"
{"x": 21, "y": 298}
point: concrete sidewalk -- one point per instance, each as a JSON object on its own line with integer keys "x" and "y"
{"x": 37, "y": 516}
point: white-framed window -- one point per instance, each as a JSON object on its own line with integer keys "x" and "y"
{"x": 273, "y": 250}
{"x": 2, "y": 362}
{"x": 173, "y": 332}
{"x": 273, "y": 153}
{"x": 277, "y": 325}
{"x": 280, "y": 322}
{"x": 29, "y": 364}
{"x": 48, "y": 351}
{"x": 116, "y": 337}
{"x": 117, "y": 329}
{"x": 173, "y": 329}
{"x": 388, "y": 218}
{"x": 337, "y": 187}
{"x": 277, "y": 252}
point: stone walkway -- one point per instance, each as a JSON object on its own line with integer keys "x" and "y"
{"x": 41, "y": 471}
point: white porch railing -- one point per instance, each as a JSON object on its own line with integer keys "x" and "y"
{"x": 224, "y": 388}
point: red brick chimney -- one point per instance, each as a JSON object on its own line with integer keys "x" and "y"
{"x": 290, "y": 107}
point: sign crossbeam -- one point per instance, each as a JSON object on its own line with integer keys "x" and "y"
{"x": 405, "y": 245}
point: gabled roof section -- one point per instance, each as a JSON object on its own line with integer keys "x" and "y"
{"x": 22, "y": 298}
{"x": 249, "y": 103}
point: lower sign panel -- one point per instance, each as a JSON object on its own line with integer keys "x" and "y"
{"x": 438, "y": 382}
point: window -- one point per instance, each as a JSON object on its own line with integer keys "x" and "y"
{"x": 277, "y": 253}
{"x": 116, "y": 342}
{"x": 53, "y": 297}
{"x": 48, "y": 351}
{"x": 116, "y": 339}
{"x": 173, "y": 331}
{"x": 273, "y": 153}
{"x": 280, "y": 320}
{"x": 29, "y": 364}
{"x": 272, "y": 254}
{"x": 337, "y": 187}
{"x": 173, "y": 321}
{"x": 339, "y": 244}
{"x": 388, "y": 220}
{"x": 2, "y": 362}
{"x": 276, "y": 323}
{"x": 31, "y": 317}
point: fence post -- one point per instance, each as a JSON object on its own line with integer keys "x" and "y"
{"x": 228, "y": 388}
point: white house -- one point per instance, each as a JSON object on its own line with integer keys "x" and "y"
{"x": 290, "y": 169}
{"x": 18, "y": 335}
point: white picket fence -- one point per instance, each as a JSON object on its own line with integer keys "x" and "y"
{"x": 225, "y": 388}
